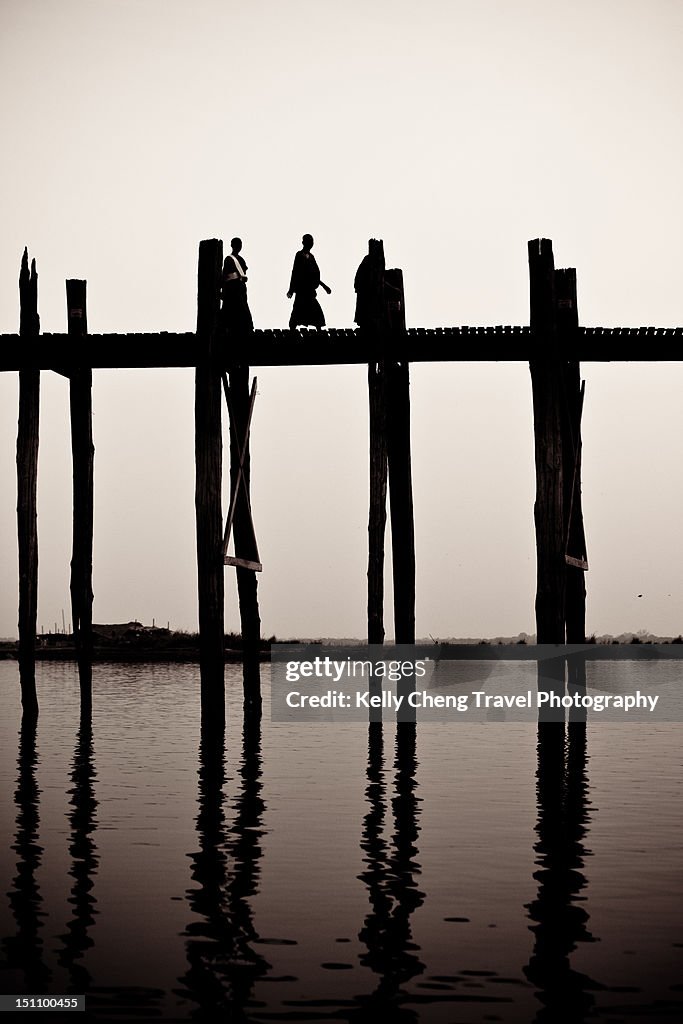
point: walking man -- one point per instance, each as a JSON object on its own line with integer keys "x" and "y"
{"x": 306, "y": 311}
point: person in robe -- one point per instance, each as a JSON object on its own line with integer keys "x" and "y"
{"x": 236, "y": 314}
{"x": 306, "y": 311}
{"x": 369, "y": 287}
{"x": 361, "y": 285}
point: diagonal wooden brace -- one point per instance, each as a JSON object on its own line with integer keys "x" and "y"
{"x": 244, "y": 563}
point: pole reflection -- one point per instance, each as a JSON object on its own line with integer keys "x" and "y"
{"x": 83, "y": 851}
{"x": 223, "y": 964}
{"x": 24, "y": 952}
{"x": 560, "y": 919}
{"x": 85, "y": 681}
{"x": 390, "y": 872}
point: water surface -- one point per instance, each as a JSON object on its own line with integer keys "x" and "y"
{"x": 285, "y": 871}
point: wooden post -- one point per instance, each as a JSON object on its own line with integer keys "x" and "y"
{"x": 83, "y": 455}
{"x": 247, "y": 584}
{"x": 400, "y": 474}
{"x": 546, "y": 380}
{"x": 27, "y": 477}
{"x": 567, "y": 324}
{"x": 377, "y": 517}
{"x": 375, "y": 331}
{"x": 208, "y": 477}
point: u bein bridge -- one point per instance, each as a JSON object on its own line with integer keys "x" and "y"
{"x": 553, "y": 344}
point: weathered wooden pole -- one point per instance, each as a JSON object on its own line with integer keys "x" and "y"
{"x": 377, "y": 517}
{"x": 208, "y": 478}
{"x": 371, "y": 313}
{"x": 245, "y": 543}
{"x": 575, "y": 542}
{"x": 83, "y": 456}
{"x": 400, "y": 473}
{"x": 27, "y": 478}
{"x": 547, "y": 385}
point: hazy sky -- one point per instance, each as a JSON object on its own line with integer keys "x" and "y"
{"x": 455, "y": 131}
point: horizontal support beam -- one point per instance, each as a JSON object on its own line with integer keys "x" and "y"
{"x": 340, "y": 346}
{"x": 243, "y": 563}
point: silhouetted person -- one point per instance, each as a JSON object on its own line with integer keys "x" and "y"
{"x": 362, "y": 285}
{"x": 306, "y": 311}
{"x": 236, "y": 313}
{"x": 369, "y": 286}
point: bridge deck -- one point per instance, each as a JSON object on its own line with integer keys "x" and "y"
{"x": 339, "y": 346}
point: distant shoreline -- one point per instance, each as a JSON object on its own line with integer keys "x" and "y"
{"x": 117, "y": 654}
{"x": 137, "y": 651}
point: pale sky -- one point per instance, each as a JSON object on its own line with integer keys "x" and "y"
{"x": 455, "y": 131}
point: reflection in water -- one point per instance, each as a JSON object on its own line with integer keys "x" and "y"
{"x": 561, "y": 922}
{"x": 85, "y": 682}
{"x": 251, "y": 674}
{"x": 24, "y": 950}
{"x": 551, "y": 678}
{"x": 218, "y": 953}
{"x": 223, "y": 965}
{"x": 83, "y": 851}
{"x": 390, "y": 875}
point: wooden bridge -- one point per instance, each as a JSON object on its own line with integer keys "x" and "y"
{"x": 553, "y": 344}
{"x": 338, "y": 346}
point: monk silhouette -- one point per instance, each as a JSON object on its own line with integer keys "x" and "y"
{"x": 236, "y": 312}
{"x": 369, "y": 287}
{"x": 306, "y": 311}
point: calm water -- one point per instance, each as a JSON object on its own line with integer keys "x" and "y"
{"x": 456, "y": 873}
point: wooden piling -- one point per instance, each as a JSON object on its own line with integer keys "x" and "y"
{"x": 27, "y": 478}
{"x": 208, "y": 478}
{"x": 547, "y": 384}
{"x": 245, "y": 544}
{"x": 377, "y": 517}
{"x": 399, "y": 464}
{"x": 83, "y": 456}
{"x": 575, "y": 543}
{"x": 374, "y": 329}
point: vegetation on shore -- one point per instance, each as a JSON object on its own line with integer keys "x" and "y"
{"x": 131, "y": 640}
